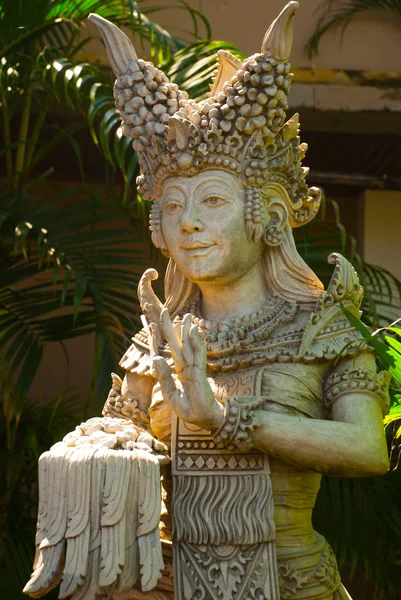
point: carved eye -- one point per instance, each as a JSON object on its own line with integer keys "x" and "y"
{"x": 172, "y": 208}
{"x": 214, "y": 201}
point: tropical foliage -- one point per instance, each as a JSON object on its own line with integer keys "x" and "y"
{"x": 339, "y": 14}
{"x": 71, "y": 255}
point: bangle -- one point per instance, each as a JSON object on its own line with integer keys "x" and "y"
{"x": 356, "y": 381}
{"x": 234, "y": 432}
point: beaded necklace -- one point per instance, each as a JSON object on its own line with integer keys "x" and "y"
{"x": 240, "y": 332}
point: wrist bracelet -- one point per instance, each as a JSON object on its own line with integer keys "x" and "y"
{"x": 238, "y": 422}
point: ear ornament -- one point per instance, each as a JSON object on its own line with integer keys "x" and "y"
{"x": 273, "y": 235}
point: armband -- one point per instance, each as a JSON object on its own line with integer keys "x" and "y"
{"x": 234, "y": 433}
{"x": 353, "y": 381}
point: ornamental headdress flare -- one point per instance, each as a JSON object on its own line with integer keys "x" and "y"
{"x": 240, "y": 127}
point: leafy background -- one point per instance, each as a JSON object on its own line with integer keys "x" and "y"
{"x": 71, "y": 256}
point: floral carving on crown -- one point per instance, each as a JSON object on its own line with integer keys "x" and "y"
{"x": 241, "y": 127}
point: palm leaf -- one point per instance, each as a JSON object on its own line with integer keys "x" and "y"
{"x": 64, "y": 240}
{"x": 339, "y": 14}
{"x": 372, "y": 551}
{"x": 56, "y": 24}
{"x": 361, "y": 518}
{"x": 86, "y": 89}
{"x": 41, "y": 425}
{"x": 326, "y": 234}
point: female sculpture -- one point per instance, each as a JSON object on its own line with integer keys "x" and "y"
{"x": 236, "y": 374}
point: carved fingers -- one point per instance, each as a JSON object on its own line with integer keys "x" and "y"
{"x": 191, "y": 397}
{"x": 187, "y": 349}
{"x": 174, "y": 396}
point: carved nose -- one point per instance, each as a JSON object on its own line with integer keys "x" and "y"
{"x": 191, "y": 222}
{"x": 191, "y": 227}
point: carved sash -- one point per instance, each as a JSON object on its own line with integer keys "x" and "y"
{"x": 223, "y": 520}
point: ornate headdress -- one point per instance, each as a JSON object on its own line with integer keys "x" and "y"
{"x": 240, "y": 128}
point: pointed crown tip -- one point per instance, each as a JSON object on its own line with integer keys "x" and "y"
{"x": 278, "y": 38}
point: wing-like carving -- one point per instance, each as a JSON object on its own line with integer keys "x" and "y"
{"x": 227, "y": 67}
{"x": 344, "y": 290}
{"x": 78, "y": 528}
{"x": 52, "y": 521}
{"x": 99, "y": 512}
{"x": 150, "y": 555}
{"x": 130, "y": 572}
{"x": 151, "y": 308}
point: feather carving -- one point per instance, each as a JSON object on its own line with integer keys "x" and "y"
{"x": 99, "y": 513}
{"x": 344, "y": 290}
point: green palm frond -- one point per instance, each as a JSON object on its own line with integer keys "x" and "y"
{"x": 41, "y": 425}
{"x": 368, "y": 540}
{"x": 62, "y": 255}
{"x": 361, "y": 518}
{"x": 56, "y": 23}
{"x": 339, "y": 14}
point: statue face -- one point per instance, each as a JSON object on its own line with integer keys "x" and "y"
{"x": 204, "y": 227}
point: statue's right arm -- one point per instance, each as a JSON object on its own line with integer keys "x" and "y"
{"x": 99, "y": 501}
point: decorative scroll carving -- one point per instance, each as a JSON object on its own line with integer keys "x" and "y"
{"x": 123, "y": 407}
{"x": 232, "y": 161}
{"x": 238, "y": 422}
{"x": 226, "y": 572}
{"x": 99, "y": 502}
{"x": 345, "y": 289}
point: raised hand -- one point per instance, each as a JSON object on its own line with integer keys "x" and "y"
{"x": 189, "y": 394}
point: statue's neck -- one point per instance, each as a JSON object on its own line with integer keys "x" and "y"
{"x": 244, "y": 295}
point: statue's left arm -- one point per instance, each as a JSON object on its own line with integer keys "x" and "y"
{"x": 352, "y": 442}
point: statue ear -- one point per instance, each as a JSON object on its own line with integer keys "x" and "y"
{"x": 276, "y": 221}
{"x": 277, "y": 213}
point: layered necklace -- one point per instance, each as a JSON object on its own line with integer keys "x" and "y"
{"x": 236, "y": 334}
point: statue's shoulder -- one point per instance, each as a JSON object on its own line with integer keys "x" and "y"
{"x": 137, "y": 357}
{"x": 327, "y": 329}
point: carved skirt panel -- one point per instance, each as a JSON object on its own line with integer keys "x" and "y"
{"x": 223, "y": 532}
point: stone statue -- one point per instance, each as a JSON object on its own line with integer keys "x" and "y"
{"x": 249, "y": 376}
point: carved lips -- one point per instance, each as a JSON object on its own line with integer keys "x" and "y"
{"x": 195, "y": 248}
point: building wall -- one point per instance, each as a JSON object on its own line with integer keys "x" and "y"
{"x": 372, "y": 41}
{"x": 382, "y": 230}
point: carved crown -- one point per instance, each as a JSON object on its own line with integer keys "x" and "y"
{"x": 241, "y": 126}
